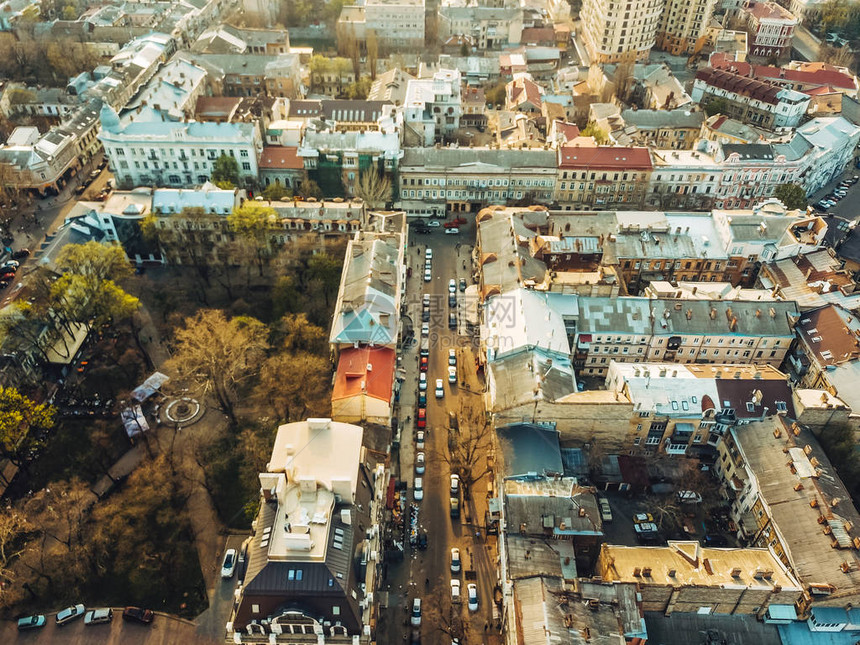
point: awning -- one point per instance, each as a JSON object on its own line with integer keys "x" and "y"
{"x": 133, "y": 421}
{"x": 149, "y": 387}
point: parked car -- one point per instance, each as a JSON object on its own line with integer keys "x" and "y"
{"x": 452, "y": 375}
{"x": 455, "y": 560}
{"x": 440, "y": 390}
{"x": 424, "y": 363}
{"x": 10, "y": 264}
{"x": 462, "y": 284}
{"x": 428, "y": 253}
{"x": 452, "y": 300}
{"x": 20, "y": 254}
{"x": 452, "y": 320}
{"x": 422, "y": 540}
{"x": 689, "y": 497}
{"x": 455, "y": 223}
{"x": 472, "y": 590}
{"x": 228, "y": 567}
{"x": 422, "y": 417}
{"x": 454, "y": 504}
{"x": 428, "y": 275}
{"x": 646, "y": 532}
{"x": 455, "y": 484}
{"x": 138, "y": 615}
{"x": 31, "y": 622}
{"x": 425, "y": 314}
{"x": 98, "y": 616}
{"x": 67, "y": 615}
{"x": 7, "y": 276}
{"x": 80, "y": 189}
{"x": 642, "y": 518}
{"x": 452, "y": 357}
{"x": 422, "y": 381}
{"x": 605, "y": 510}
{"x": 422, "y": 399}
{"x": 452, "y": 231}
{"x": 419, "y": 440}
{"x": 455, "y": 584}
{"x": 418, "y": 493}
{"x": 425, "y": 330}
{"x": 416, "y": 612}
{"x": 452, "y": 286}
{"x": 434, "y": 223}
{"x": 419, "y": 463}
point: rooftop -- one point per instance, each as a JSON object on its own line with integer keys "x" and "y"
{"x": 552, "y": 507}
{"x": 803, "y": 493}
{"x": 364, "y": 370}
{"x": 690, "y": 564}
{"x": 738, "y": 84}
{"x": 604, "y": 158}
{"x": 529, "y": 450}
{"x": 281, "y": 157}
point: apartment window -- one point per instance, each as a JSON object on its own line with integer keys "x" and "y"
{"x": 335, "y": 610}
{"x": 246, "y": 165}
{"x": 644, "y": 415}
{"x": 636, "y": 441}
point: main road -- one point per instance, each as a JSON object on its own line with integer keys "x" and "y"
{"x": 430, "y": 569}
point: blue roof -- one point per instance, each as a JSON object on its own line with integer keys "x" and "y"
{"x": 798, "y": 634}
{"x": 830, "y": 614}
{"x": 782, "y": 612}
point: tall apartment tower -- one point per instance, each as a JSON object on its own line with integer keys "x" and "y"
{"x": 620, "y": 30}
{"x": 683, "y": 26}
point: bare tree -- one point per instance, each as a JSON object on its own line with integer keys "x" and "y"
{"x": 467, "y": 449}
{"x": 12, "y": 526}
{"x": 374, "y": 188}
{"x": 217, "y": 355}
{"x": 372, "y": 44}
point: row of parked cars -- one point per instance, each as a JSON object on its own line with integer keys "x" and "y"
{"x": 91, "y": 617}
{"x": 839, "y": 193}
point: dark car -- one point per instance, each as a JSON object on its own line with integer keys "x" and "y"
{"x": 452, "y": 300}
{"x": 7, "y": 276}
{"x": 422, "y": 399}
{"x": 462, "y": 284}
{"x": 422, "y": 540}
{"x": 715, "y": 540}
{"x": 20, "y": 254}
{"x": 138, "y": 615}
{"x": 452, "y": 320}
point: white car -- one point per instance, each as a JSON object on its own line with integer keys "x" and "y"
{"x": 452, "y": 231}
{"x": 455, "y": 484}
{"x": 416, "y": 612}
{"x": 440, "y": 389}
{"x": 452, "y": 375}
{"x": 418, "y": 493}
{"x": 605, "y": 510}
{"x": 455, "y": 560}
{"x": 428, "y": 253}
{"x": 434, "y": 223}
{"x": 452, "y": 286}
{"x": 455, "y": 586}
{"x": 419, "y": 463}
{"x": 419, "y": 440}
{"x": 228, "y": 567}
{"x": 452, "y": 357}
{"x": 422, "y": 381}
{"x": 472, "y": 590}
{"x": 425, "y": 330}
{"x": 428, "y": 275}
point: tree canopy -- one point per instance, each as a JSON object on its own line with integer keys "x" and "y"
{"x": 792, "y": 195}
{"x": 374, "y": 188}
{"x": 225, "y": 171}
{"x": 20, "y": 420}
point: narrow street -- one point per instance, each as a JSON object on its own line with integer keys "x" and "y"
{"x": 427, "y": 573}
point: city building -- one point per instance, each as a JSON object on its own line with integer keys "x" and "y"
{"x": 772, "y": 28}
{"x": 687, "y": 409}
{"x": 602, "y": 177}
{"x": 683, "y": 179}
{"x": 620, "y": 32}
{"x": 683, "y": 26}
{"x": 811, "y": 280}
{"x": 437, "y": 181}
{"x": 282, "y": 165}
{"x": 227, "y": 39}
{"x": 636, "y": 330}
{"x": 250, "y": 74}
{"x": 827, "y": 353}
{"x": 146, "y": 149}
{"x": 432, "y": 108}
{"x": 320, "y": 503}
{"x": 363, "y": 388}
{"x": 489, "y": 26}
{"x": 173, "y": 91}
{"x": 750, "y": 100}
{"x": 367, "y": 311}
{"x": 675, "y": 129}
{"x": 396, "y": 24}
{"x": 687, "y": 577}
{"x": 786, "y": 496}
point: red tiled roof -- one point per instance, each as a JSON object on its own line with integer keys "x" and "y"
{"x": 605, "y": 157}
{"x": 537, "y": 35}
{"x": 738, "y": 84}
{"x": 824, "y": 75}
{"x": 281, "y": 157}
{"x": 353, "y": 377}
{"x": 569, "y": 130}
{"x": 768, "y": 11}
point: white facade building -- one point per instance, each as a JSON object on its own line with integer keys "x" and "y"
{"x": 151, "y": 151}
{"x": 398, "y": 24}
{"x": 433, "y": 106}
